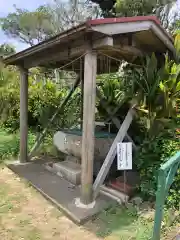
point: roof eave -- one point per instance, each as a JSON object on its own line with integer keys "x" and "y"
{"x": 13, "y": 59}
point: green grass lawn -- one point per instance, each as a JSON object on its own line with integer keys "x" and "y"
{"x": 123, "y": 223}
{"x": 10, "y": 144}
{"x": 129, "y": 223}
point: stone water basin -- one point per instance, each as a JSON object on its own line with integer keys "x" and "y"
{"x": 70, "y": 143}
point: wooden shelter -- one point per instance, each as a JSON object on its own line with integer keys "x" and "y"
{"x": 119, "y": 38}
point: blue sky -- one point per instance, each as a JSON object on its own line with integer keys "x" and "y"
{"x": 6, "y": 6}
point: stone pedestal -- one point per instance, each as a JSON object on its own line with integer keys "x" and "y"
{"x": 69, "y": 170}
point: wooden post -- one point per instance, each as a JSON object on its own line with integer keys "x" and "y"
{"x": 82, "y": 91}
{"x": 87, "y": 157}
{"x": 23, "y": 115}
{"x": 82, "y": 97}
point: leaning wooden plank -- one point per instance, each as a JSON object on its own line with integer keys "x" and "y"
{"x": 112, "y": 153}
{"x": 113, "y": 118}
{"x": 118, "y": 125}
{"x": 40, "y": 139}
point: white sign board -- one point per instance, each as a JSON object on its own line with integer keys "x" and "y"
{"x": 124, "y": 156}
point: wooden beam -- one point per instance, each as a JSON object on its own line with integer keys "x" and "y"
{"x": 112, "y": 153}
{"x": 59, "y": 55}
{"x": 103, "y": 42}
{"x": 90, "y": 68}
{"x": 66, "y": 53}
{"x": 127, "y": 45}
{"x": 114, "y": 119}
{"x": 71, "y": 35}
{"x": 60, "y": 108}
{"x": 130, "y": 50}
{"x": 23, "y": 115}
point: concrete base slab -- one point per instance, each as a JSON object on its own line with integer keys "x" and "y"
{"x": 59, "y": 191}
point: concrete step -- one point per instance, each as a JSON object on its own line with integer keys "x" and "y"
{"x": 69, "y": 170}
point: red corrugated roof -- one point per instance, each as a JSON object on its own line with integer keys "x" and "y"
{"x": 123, "y": 20}
{"x": 128, "y": 20}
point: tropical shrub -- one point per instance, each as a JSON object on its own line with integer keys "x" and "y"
{"x": 155, "y": 90}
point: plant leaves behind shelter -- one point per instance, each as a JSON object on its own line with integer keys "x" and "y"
{"x": 156, "y": 91}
